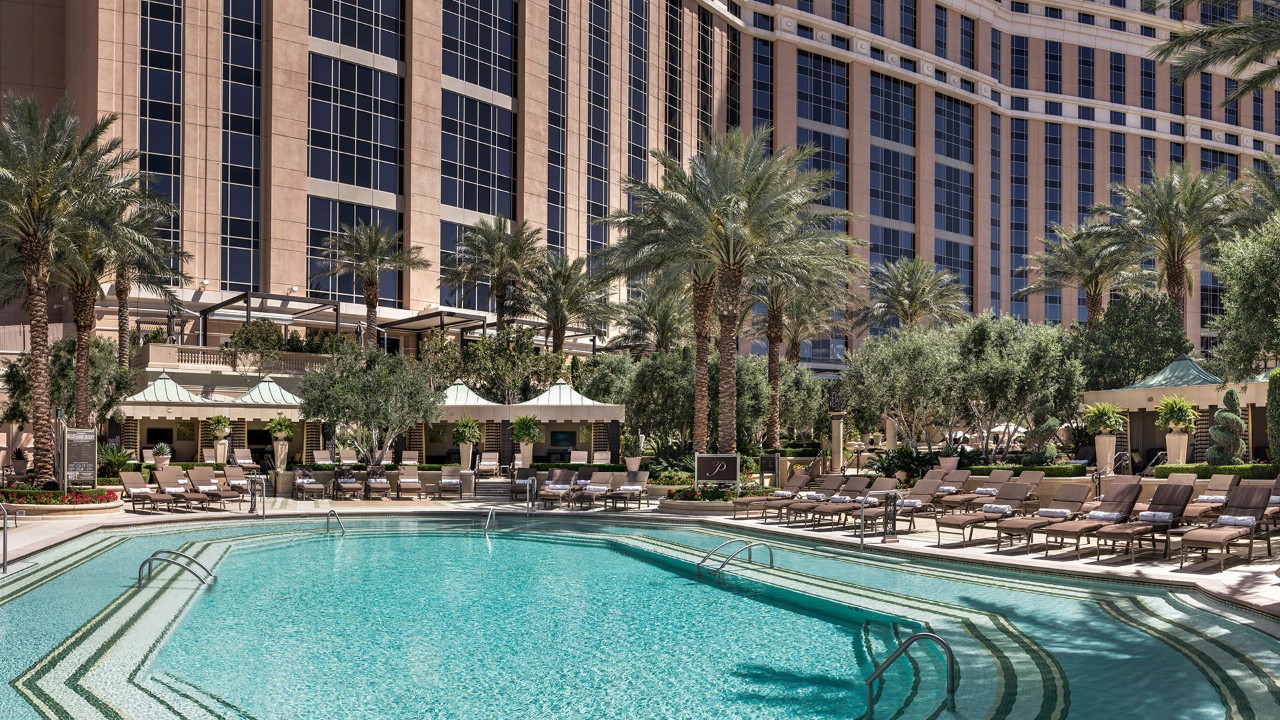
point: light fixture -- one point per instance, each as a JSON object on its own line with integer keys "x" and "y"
{"x": 204, "y": 283}
{"x": 293, "y": 289}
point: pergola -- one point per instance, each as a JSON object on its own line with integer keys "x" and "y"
{"x": 282, "y": 308}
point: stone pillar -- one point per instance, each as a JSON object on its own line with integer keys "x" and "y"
{"x": 890, "y": 434}
{"x": 837, "y": 440}
{"x": 1105, "y": 448}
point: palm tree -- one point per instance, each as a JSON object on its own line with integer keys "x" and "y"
{"x": 1236, "y": 45}
{"x": 913, "y": 292}
{"x": 810, "y": 315}
{"x": 563, "y": 292}
{"x": 151, "y": 268}
{"x": 55, "y": 176}
{"x": 1082, "y": 258}
{"x": 364, "y": 252}
{"x": 505, "y": 256}
{"x": 1264, "y": 190}
{"x": 1177, "y": 218}
{"x": 732, "y": 206}
{"x": 656, "y": 318}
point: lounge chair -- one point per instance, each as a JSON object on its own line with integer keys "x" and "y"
{"x": 952, "y": 481}
{"x": 1032, "y": 478}
{"x": 919, "y": 500}
{"x": 376, "y": 484}
{"x": 346, "y": 484}
{"x": 634, "y": 487}
{"x": 450, "y": 481}
{"x": 409, "y": 457}
{"x": 321, "y": 458}
{"x": 557, "y": 489}
{"x": 1161, "y": 515}
{"x": 236, "y": 478}
{"x": 1273, "y": 505}
{"x": 209, "y": 455}
{"x": 347, "y": 457}
{"x": 243, "y": 458}
{"x": 800, "y": 509}
{"x": 408, "y": 481}
{"x": 830, "y": 485}
{"x": 586, "y": 495}
{"x": 487, "y": 464}
{"x": 305, "y": 486}
{"x": 578, "y": 457}
{"x": 205, "y": 481}
{"x": 983, "y": 493}
{"x": 1066, "y": 505}
{"x": 173, "y": 481}
{"x": 866, "y": 505}
{"x": 1173, "y": 479}
{"x": 836, "y": 506}
{"x": 1241, "y": 518}
{"x": 746, "y": 504}
{"x": 525, "y": 479}
{"x": 1116, "y": 509}
{"x": 138, "y": 492}
{"x": 1117, "y": 481}
{"x": 1211, "y": 500}
{"x": 1007, "y": 502}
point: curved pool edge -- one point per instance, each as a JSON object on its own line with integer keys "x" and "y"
{"x": 1211, "y": 588}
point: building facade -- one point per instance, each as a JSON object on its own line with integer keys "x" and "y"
{"x": 958, "y": 131}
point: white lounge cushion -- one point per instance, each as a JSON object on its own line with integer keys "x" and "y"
{"x": 1160, "y": 518}
{"x": 868, "y": 501}
{"x": 446, "y": 482}
{"x": 206, "y": 488}
{"x": 782, "y": 494}
{"x": 307, "y": 481}
{"x": 1211, "y": 499}
{"x": 997, "y": 509}
{"x": 582, "y": 481}
{"x": 631, "y": 488}
{"x": 1105, "y": 516}
{"x": 1053, "y": 513}
{"x": 946, "y": 489}
{"x": 1273, "y": 500}
{"x": 986, "y": 491}
{"x": 910, "y": 503}
{"x": 841, "y": 499}
{"x": 1238, "y": 520}
{"x": 523, "y": 481}
{"x": 557, "y": 487}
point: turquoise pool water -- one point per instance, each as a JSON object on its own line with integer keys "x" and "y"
{"x": 414, "y": 619}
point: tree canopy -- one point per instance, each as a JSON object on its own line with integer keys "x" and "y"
{"x": 1249, "y": 327}
{"x": 509, "y": 367}
{"x": 1136, "y": 336}
{"x": 108, "y": 382}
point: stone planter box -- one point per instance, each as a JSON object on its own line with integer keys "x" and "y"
{"x": 61, "y": 512}
{"x": 660, "y": 491}
{"x": 695, "y": 507}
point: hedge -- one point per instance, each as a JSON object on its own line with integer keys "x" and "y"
{"x": 605, "y": 467}
{"x": 1205, "y": 471}
{"x": 1052, "y": 471}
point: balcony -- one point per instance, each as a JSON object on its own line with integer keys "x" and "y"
{"x": 196, "y": 358}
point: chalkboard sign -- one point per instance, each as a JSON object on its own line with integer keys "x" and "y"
{"x": 716, "y": 470}
{"x": 81, "y": 457}
{"x": 769, "y": 463}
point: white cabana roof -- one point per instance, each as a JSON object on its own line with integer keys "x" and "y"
{"x": 459, "y": 394}
{"x": 561, "y": 403}
{"x": 164, "y": 399}
{"x": 460, "y": 401}
{"x": 164, "y": 390}
{"x": 268, "y": 392}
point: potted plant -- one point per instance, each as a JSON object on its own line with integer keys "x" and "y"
{"x": 1176, "y": 415}
{"x": 1104, "y": 420}
{"x": 525, "y": 431}
{"x": 220, "y": 426}
{"x": 466, "y": 433}
{"x": 631, "y": 451}
{"x": 949, "y": 457}
{"x": 21, "y": 458}
{"x": 162, "y": 452}
{"x": 280, "y": 427}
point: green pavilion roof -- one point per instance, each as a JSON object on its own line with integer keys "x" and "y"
{"x": 459, "y": 395}
{"x": 1182, "y": 372}
{"x": 267, "y": 392}
{"x": 164, "y": 390}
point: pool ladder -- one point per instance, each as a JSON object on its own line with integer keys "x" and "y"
{"x": 953, "y": 677}
{"x": 333, "y": 515}
{"x": 491, "y": 520}
{"x": 747, "y": 545}
{"x": 164, "y": 556}
{"x": 4, "y": 554}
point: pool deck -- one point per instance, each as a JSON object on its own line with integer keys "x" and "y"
{"x": 1254, "y": 586}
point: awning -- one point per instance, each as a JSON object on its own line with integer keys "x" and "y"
{"x": 164, "y": 390}
{"x": 437, "y": 320}
{"x": 561, "y": 403}
{"x": 268, "y": 392}
{"x": 1182, "y": 372}
{"x": 164, "y": 399}
{"x": 460, "y": 401}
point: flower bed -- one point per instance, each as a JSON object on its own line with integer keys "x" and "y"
{"x": 21, "y": 496}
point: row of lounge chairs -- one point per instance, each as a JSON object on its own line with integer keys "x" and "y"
{"x": 376, "y": 484}
{"x": 174, "y": 488}
{"x": 569, "y": 488}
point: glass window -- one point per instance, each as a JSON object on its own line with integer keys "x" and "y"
{"x": 674, "y": 94}
{"x": 558, "y": 114}
{"x": 1020, "y": 60}
{"x": 477, "y": 168}
{"x": 356, "y": 120}
{"x": 1148, "y": 84}
{"x": 995, "y": 54}
{"x": 1211, "y": 160}
{"x": 326, "y": 218}
{"x": 1019, "y": 228}
{"x": 953, "y": 129}
{"x": 1118, "y": 78}
{"x": 822, "y": 89}
{"x": 598, "y": 127}
{"x": 160, "y": 106}
{"x": 956, "y": 258}
{"x": 907, "y": 22}
{"x": 968, "y": 36}
{"x": 1084, "y": 172}
{"x": 952, "y": 199}
{"x": 762, "y": 83}
{"x": 1053, "y": 66}
{"x": 1084, "y": 78}
{"x": 889, "y": 245}
{"x": 939, "y": 31}
{"x": 893, "y": 182}
{"x": 833, "y": 157}
{"x": 877, "y": 17}
{"x": 893, "y": 109}
{"x": 241, "y": 144}
{"x": 467, "y": 298}
{"x": 377, "y": 26}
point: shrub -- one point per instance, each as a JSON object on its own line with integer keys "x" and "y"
{"x": 22, "y": 496}
{"x": 526, "y": 429}
{"x": 1273, "y": 414}
{"x": 466, "y": 431}
{"x": 672, "y": 477}
{"x": 914, "y": 462}
{"x": 113, "y": 457}
{"x": 1204, "y": 470}
{"x": 162, "y": 450}
{"x": 1175, "y": 413}
{"x": 219, "y": 422}
{"x": 280, "y": 424}
{"x": 1104, "y": 417}
{"x": 1227, "y": 433}
{"x": 1050, "y": 471}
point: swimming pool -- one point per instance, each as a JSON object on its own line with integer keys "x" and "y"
{"x": 416, "y": 618}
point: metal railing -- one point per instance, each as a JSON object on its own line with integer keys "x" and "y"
{"x": 162, "y": 556}
{"x": 333, "y": 515}
{"x": 746, "y": 545}
{"x": 953, "y": 678}
{"x": 4, "y": 554}
{"x": 491, "y": 520}
{"x": 720, "y": 569}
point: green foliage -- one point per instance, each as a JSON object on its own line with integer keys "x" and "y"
{"x": 660, "y": 399}
{"x": 630, "y": 445}
{"x": 1204, "y": 471}
{"x": 1227, "y": 433}
{"x": 161, "y": 450}
{"x": 509, "y": 367}
{"x": 914, "y": 462}
{"x": 753, "y": 400}
{"x": 466, "y": 431}
{"x": 257, "y": 344}
{"x": 913, "y": 293}
{"x": 1249, "y": 326}
{"x": 1104, "y": 418}
{"x": 280, "y": 424}
{"x": 109, "y": 383}
{"x": 1138, "y": 335}
{"x": 607, "y": 378}
{"x": 803, "y": 409}
{"x": 906, "y": 376}
{"x": 1175, "y": 413}
{"x": 219, "y": 422}
{"x": 112, "y": 458}
{"x": 526, "y": 429}
{"x": 1273, "y": 414}
{"x": 1050, "y": 471}
{"x": 440, "y": 356}
{"x": 372, "y": 398}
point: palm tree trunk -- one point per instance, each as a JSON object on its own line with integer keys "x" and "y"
{"x": 1176, "y": 287}
{"x": 730, "y": 283}
{"x": 82, "y": 306}
{"x": 557, "y": 341}
{"x": 499, "y": 285}
{"x": 773, "y": 333}
{"x": 370, "y": 312}
{"x": 1093, "y": 306}
{"x": 704, "y": 294}
{"x": 793, "y": 350}
{"x": 35, "y": 269}
{"x": 123, "y": 347}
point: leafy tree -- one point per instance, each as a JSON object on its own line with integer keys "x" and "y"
{"x": 108, "y": 382}
{"x": 370, "y": 255}
{"x": 660, "y": 399}
{"x": 1249, "y": 327}
{"x": 505, "y": 256}
{"x": 56, "y": 176}
{"x": 509, "y": 366}
{"x": 1263, "y": 184}
{"x": 257, "y": 343}
{"x": 1227, "y": 433}
{"x": 564, "y": 293}
{"x": 440, "y": 354}
{"x": 1138, "y": 335}
{"x": 1178, "y": 219}
{"x": 906, "y": 376}
{"x": 1273, "y": 415}
{"x": 371, "y": 398}
{"x": 1081, "y": 258}
{"x": 608, "y": 378}
{"x": 913, "y": 293}
{"x": 804, "y": 411}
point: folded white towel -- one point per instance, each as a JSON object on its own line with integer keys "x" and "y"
{"x": 1238, "y": 520}
{"x": 306, "y": 481}
{"x": 1105, "y": 516}
{"x": 557, "y": 488}
{"x": 324, "y": 462}
{"x": 1273, "y": 500}
{"x": 173, "y": 488}
{"x": 841, "y": 499}
{"x": 243, "y": 483}
{"x": 450, "y": 483}
{"x": 1211, "y": 499}
{"x": 996, "y": 509}
{"x": 631, "y": 488}
{"x": 985, "y": 491}
{"x": 782, "y": 494}
{"x": 813, "y": 496}
{"x": 868, "y": 501}
{"x": 946, "y": 489}
{"x": 206, "y": 488}
{"x": 1053, "y": 513}
{"x": 597, "y": 488}
{"x": 582, "y": 481}
{"x": 523, "y": 481}
{"x": 1161, "y": 518}
{"x": 910, "y": 503}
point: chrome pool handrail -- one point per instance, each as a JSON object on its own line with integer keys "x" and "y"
{"x": 4, "y": 554}
{"x": 491, "y": 520}
{"x": 746, "y": 547}
{"x": 953, "y": 679}
{"x": 334, "y": 515}
{"x": 185, "y": 556}
{"x": 146, "y": 564}
{"x": 716, "y": 549}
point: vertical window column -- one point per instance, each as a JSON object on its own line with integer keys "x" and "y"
{"x": 557, "y": 123}
{"x": 674, "y": 98}
{"x": 953, "y": 189}
{"x": 1052, "y": 208}
{"x": 892, "y": 181}
{"x": 1019, "y": 223}
{"x": 241, "y": 144}
{"x": 996, "y": 122}
{"x": 160, "y": 107}
{"x": 598, "y": 21}
{"x": 706, "y": 60}
{"x": 761, "y": 83}
{"x": 638, "y": 85}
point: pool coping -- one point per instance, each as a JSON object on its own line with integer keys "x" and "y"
{"x": 1210, "y": 587}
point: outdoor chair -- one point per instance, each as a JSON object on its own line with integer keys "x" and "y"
{"x": 243, "y": 458}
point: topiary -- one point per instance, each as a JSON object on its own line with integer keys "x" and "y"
{"x": 1227, "y": 433}
{"x": 1273, "y": 414}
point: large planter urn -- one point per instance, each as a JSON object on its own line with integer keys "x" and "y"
{"x": 281, "y": 447}
{"x": 464, "y": 455}
{"x": 1175, "y": 444}
{"x": 633, "y": 463}
{"x": 1105, "y": 447}
{"x": 221, "y": 448}
{"x": 526, "y": 455}
{"x": 949, "y": 463}
{"x": 162, "y": 461}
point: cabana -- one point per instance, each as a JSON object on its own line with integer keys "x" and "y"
{"x": 436, "y": 441}
{"x": 569, "y": 415}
